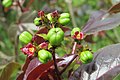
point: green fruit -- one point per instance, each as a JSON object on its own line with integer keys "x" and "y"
{"x": 7, "y": 3}
{"x": 55, "y": 36}
{"x": 49, "y": 17}
{"x": 64, "y": 21}
{"x": 74, "y": 30}
{"x": 64, "y": 18}
{"x": 86, "y": 57}
{"x": 37, "y": 21}
{"x": 25, "y": 37}
{"x": 44, "y": 56}
{"x": 65, "y": 15}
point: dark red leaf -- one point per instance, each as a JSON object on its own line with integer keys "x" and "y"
{"x": 49, "y": 75}
{"x": 115, "y": 8}
{"x": 89, "y": 38}
{"x": 26, "y": 64}
{"x": 21, "y": 76}
{"x": 39, "y": 39}
{"x": 39, "y": 70}
{"x": 33, "y": 64}
{"x": 65, "y": 28}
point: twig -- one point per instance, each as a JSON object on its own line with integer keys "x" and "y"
{"x": 20, "y": 6}
{"x": 29, "y": 3}
{"x": 69, "y": 2}
{"x": 55, "y": 65}
{"x": 74, "y": 47}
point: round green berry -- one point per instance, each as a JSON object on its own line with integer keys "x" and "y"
{"x": 64, "y": 21}
{"x": 86, "y": 57}
{"x": 25, "y": 37}
{"x": 64, "y": 18}
{"x": 37, "y": 21}
{"x": 44, "y": 56}
{"x": 7, "y": 3}
{"x": 64, "y": 15}
{"x": 55, "y": 36}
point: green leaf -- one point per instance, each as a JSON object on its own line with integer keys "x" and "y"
{"x": 117, "y": 77}
{"x": 9, "y": 70}
{"x": 44, "y": 36}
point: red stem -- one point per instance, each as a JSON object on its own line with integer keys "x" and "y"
{"x": 74, "y": 48}
{"x": 20, "y": 6}
{"x": 55, "y": 65}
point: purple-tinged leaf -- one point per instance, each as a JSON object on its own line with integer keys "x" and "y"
{"x": 109, "y": 75}
{"x": 106, "y": 59}
{"x": 27, "y": 17}
{"x": 9, "y": 70}
{"x": 67, "y": 60}
{"x": 84, "y": 71}
{"x": 97, "y": 15}
{"x": 30, "y": 26}
{"x": 105, "y": 21}
{"x": 105, "y": 64}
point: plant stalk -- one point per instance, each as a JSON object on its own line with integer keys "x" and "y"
{"x": 74, "y": 48}
{"x": 55, "y": 64}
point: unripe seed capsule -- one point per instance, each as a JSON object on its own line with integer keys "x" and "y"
{"x": 25, "y": 37}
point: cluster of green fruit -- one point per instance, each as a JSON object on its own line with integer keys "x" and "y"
{"x": 63, "y": 19}
{"x": 54, "y": 37}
